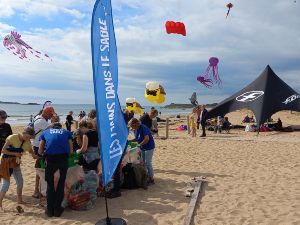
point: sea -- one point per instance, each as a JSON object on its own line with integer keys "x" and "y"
{"x": 20, "y": 114}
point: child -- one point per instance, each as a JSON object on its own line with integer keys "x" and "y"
{"x": 193, "y": 121}
{"x": 12, "y": 151}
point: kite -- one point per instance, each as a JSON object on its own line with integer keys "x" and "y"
{"x": 154, "y": 92}
{"x": 175, "y": 28}
{"x": 205, "y": 80}
{"x": 229, "y": 6}
{"x": 193, "y": 99}
{"x": 14, "y": 43}
{"x": 133, "y": 105}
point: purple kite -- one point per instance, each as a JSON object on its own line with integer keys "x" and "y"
{"x": 205, "y": 79}
{"x": 14, "y": 43}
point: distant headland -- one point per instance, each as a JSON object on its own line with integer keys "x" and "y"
{"x": 17, "y": 103}
{"x": 186, "y": 106}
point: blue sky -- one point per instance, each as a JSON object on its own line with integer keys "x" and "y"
{"x": 256, "y": 33}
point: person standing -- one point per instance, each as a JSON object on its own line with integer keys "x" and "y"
{"x": 69, "y": 120}
{"x": 203, "y": 120}
{"x": 5, "y": 129}
{"x": 14, "y": 147}
{"x": 58, "y": 143}
{"x": 90, "y": 158}
{"x": 144, "y": 137}
{"x": 193, "y": 122}
{"x": 146, "y": 119}
{"x": 40, "y": 124}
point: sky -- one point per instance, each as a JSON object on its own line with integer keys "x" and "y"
{"x": 256, "y": 33}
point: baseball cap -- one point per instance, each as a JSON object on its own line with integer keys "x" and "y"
{"x": 3, "y": 114}
{"x": 49, "y": 110}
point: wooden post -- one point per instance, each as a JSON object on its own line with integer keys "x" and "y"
{"x": 191, "y": 208}
{"x": 188, "y": 124}
{"x": 167, "y": 128}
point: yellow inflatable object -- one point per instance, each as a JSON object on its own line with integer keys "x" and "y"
{"x": 133, "y": 105}
{"x": 154, "y": 92}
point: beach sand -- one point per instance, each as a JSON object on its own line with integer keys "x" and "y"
{"x": 250, "y": 180}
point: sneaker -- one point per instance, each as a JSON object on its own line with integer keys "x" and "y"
{"x": 48, "y": 213}
{"x": 151, "y": 181}
{"x": 59, "y": 212}
{"x": 114, "y": 194}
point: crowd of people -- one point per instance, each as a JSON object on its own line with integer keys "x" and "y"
{"x": 46, "y": 139}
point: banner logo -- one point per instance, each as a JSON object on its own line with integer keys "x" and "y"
{"x": 291, "y": 98}
{"x": 249, "y": 96}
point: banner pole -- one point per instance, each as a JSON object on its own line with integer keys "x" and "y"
{"x": 108, "y": 221}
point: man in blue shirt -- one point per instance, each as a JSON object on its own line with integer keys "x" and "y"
{"x": 58, "y": 145}
{"x": 144, "y": 137}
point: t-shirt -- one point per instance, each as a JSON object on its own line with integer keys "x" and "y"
{"x": 93, "y": 138}
{"x": 15, "y": 142}
{"x": 140, "y": 134}
{"x": 146, "y": 120}
{"x": 40, "y": 124}
{"x": 56, "y": 141}
{"x": 5, "y": 131}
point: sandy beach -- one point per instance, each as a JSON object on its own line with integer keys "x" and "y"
{"x": 250, "y": 180}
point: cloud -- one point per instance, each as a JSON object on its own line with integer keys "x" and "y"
{"x": 255, "y": 34}
{"x": 5, "y": 29}
{"x": 44, "y": 8}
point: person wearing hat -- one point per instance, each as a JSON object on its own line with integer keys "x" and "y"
{"x": 14, "y": 147}
{"x": 40, "y": 124}
{"x": 5, "y": 129}
{"x": 57, "y": 143}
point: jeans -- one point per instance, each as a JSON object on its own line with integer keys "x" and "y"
{"x": 17, "y": 174}
{"x": 147, "y": 159}
{"x": 55, "y": 197}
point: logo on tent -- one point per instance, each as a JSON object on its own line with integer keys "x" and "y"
{"x": 249, "y": 96}
{"x": 291, "y": 98}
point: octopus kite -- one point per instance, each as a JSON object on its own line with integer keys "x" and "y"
{"x": 14, "y": 43}
{"x": 229, "y": 6}
{"x": 175, "y": 28}
{"x": 205, "y": 79}
{"x": 133, "y": 105}
{"x": 154, "y": 92}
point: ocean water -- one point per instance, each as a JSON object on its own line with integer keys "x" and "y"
{"x": 20, "y": 114}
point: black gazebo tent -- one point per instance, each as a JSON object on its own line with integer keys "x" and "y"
{"x": 265, "y": 96}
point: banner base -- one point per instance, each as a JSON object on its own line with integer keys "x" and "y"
{"x": 113, "y": 221}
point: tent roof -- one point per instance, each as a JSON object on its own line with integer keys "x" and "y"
{"x": 266, "y": 95}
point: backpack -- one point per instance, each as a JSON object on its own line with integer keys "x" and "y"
{"x": 31, "y": 125}
{"x": 129, "y": 181}
{"x": 141, "y": 177}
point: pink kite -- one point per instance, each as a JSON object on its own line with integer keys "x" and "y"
{"x": 205, "y": 79}
{"x": 14, "y": 43}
